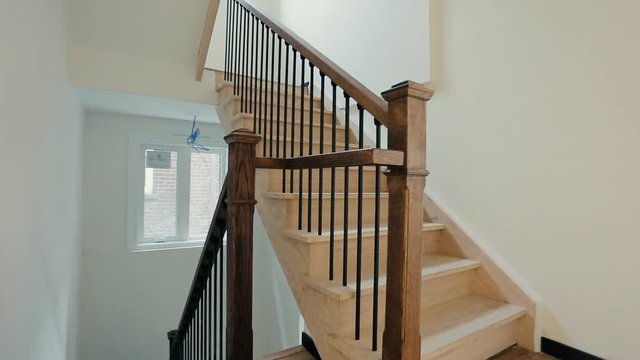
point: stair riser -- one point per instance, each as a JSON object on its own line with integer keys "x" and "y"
{"x": 483, "y": 345}
{"x": 247, "y": 123}
{"x": 367, "y": 218}
{"x": 296, "y": 147}
{"x": 319, "y": 255}
{"x": 368, "y": 182}
{"x": 227, "y": 91}
{"x": 433, "y": 292}
{"x": 226, "y": 86}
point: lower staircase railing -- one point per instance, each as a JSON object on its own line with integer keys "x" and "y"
{"x": 216, "y": 320}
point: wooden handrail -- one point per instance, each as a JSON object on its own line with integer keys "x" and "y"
{"x": 375, "y": 105}
{"x": 360, "y": 157}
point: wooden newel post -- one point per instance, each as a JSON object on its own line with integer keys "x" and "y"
{"x": 408, "y": 133}
{"x": 240, "y": 206}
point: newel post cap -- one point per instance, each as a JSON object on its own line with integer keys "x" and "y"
{"x": 242, "y": 136}
{"x": 408, "y": 89}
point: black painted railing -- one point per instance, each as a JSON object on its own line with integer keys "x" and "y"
{"x": 201, "y": 330}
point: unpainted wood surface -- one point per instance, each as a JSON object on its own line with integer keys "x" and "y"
{"x": 296, "y": 353}
{"x": 520, "y": 353}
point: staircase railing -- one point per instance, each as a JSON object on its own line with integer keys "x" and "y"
{"x": 276, "y": 76}
{"x": 203, "y": 314}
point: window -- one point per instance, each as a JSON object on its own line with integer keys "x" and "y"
{"x": 173, "y": 192}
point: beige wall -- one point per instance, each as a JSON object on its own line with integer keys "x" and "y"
{"x": 40, "y": 169}
{"x": 534, "y": 143}
{"x": 362, "y": 37}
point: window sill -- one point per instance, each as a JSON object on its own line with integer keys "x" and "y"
{"x": 169, "y": 245}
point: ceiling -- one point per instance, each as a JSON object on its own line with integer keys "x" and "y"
{"x": 163, "y": 30}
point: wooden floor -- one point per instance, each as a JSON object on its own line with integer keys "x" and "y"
{"x": 518, "y": 353}
{"x": 296, "y": 353}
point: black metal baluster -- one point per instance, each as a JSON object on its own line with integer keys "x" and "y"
{"x": 226, "y": 42}
{"x": 265, "y": 103}
{"x": 221, "y": 303}
{"x": 279, "y": 84}
{"x": 202, "y": 317}
{"x": 293, "y": 117}
{"x": 243, "y": 59}
{"x": 301, "y": 141}
{"x": 251, "y": 53}
{"x": 359, "y": 233}
{"x": 232, "y": 41}
{"x": 332, "y": 219}
{"x": 286, "y": 113}
{"x": 215, "y": 307}
{"x": 247, "y": 68}
{"x": 206, "y": 321}
{"x": 235, "y": 49}
{"x": 310, "y": 171}
{"x": 273, "y": 55}
{"x": 376, "y": 248}
{"x": 210, "y": 335}
{"x": 259, "y": 97}
{"x": 196, "y": 338}
{"x": 321, "y": 170}
{"x": 254, "y": 81}
{"x": 345, "y": 236}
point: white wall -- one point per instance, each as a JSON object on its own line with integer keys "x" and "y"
{"x": 380, "y": 43}
{"x": 40, "y": 132}
{"x": 215, "y": 56}
{"x": 534, "y": 144}
{"x": 130, "y": 300}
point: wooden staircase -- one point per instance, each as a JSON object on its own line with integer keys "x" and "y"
{"x": 378, "y": 270}
{"x": 465, "y": 314}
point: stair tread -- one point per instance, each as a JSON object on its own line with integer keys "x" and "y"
{"x": 444, "y": 326}
{"x": 436, "y": 265}
{"x": 313, "y": 237}
{"x": 305, "y": 195}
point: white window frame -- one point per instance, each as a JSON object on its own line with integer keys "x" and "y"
{"x": 136, "y": 185}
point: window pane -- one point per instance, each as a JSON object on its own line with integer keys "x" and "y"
{"x": 161, "y": 177}
{"x": 205, "y": 190}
